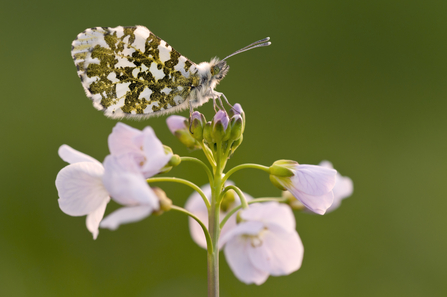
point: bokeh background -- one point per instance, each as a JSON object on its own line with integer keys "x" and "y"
{"x": 360, "y": 83}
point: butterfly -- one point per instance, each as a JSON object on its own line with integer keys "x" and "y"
{"x": 128, "y": 72}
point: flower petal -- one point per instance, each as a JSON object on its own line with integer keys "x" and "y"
{"x": 195, "y": 205}
{"x": 80, "y": 188}
{"x": 343, "y": 189}
{"x": 154, "y": 152}
{"x": 244, "y": 228}
{"x": 126, "y": 184}
{"x": 126, "y": 215}
{"x": 70, "y": 155}
{"x": 236, "y": 253}
{"x": 280, "y": 253}
{"x": 175, "y": 123}
{"x": 121, "y": 140}
{"x": 274, "y": 212}
{"x": 221, "y": 116}
{"x": 313, "y": 180}
{"x": 317, "y": 204}
{"x": 95, "y": 217}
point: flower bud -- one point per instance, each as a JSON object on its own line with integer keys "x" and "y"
{"x": 228, "y": 201}
{"x": 179, "y": 126}
{"x": 176, "y": 123}
{"x": 220, "y": 127}
{"x": 236, "y": 144}
{"x": 197, "y": 123}
{"x": 165, "y": 202}
{"x": 237, "y": 110}
{"x": 207, "y": 133}
{"x": 174, "y": 161}
{"x": 236, "y": 127}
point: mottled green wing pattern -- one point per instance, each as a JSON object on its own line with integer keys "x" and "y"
{"x": 130, "y": 72}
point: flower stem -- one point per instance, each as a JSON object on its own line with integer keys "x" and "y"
{"x": 181, "y": 181}
{"x": 207, "y": 170}
{"x": 205, "y": 230}
{"x": 267, "y": 199}
{"x": 239, "y": 193}
{"x": 213, "y": 223}
{"x": 243, "y": 166}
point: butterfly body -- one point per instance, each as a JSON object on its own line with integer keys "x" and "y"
{"x": 128, "y": 72}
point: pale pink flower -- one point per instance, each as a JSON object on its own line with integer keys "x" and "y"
{"x": 85, "y": 186}
{"x": 195, "y": 205}
{"x": 80, "y": 187}
{"x": 144, "y": 147}
{"x": 312, "y": 185}
{"x": 264, "y": 243}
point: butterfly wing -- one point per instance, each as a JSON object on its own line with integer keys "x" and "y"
{"x": 130, "y": 72}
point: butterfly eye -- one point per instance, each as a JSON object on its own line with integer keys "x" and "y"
{"x": 215, "y": 70}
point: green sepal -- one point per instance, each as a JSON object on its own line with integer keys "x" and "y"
{"x": 275, "y": 182}
{"x": 207, "y": 133}
{"x": 236, "y": 128}
{"x": 280, "y": 171}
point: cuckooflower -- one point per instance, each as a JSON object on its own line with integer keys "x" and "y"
{"x": 145, "y": 148}
{"x": 81, "y": 189}
{"x": 85, "y": 186}
{"x": 195, "y": 205}
{"x": 264, "y": 243}
{"x": 312, "y": 185}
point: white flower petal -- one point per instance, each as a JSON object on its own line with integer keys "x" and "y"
{"x": 126, "y": 184}
{"x": 70, "y": 155}
{"x": 244, "y": 228}
{"x": 270, "y": 212}
{"x": 121, "y": 140}
{"x": 317, "y": 204}
{"x": 236, "y": 253}
{"x": 195, "y": 205}
{"x": 313, "y": 180}
{"x": 95, "y": 217}
{"x": 154, "y": 152}
{"x": 280, "y": 253}
{"x": 80, "y": 188}
{"x": 126, "y": 215}
{"x": 343, "y": 189}
{"x": 196, "y": 230}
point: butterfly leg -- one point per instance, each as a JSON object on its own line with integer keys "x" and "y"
{"x": 191, "y": 110}
{"x": 215, "y": 106}
{"x": 216, "y": 96}
{"x": 226, "y": 100}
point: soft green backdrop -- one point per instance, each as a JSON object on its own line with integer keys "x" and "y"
{"x": 360, "y": 83}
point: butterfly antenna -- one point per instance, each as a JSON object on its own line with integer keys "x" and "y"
{"x": 259, "y": 43}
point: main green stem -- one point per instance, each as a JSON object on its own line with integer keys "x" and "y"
{"x": 214, "y": 226}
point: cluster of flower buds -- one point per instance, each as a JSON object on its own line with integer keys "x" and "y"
{"x": 224, "y": 131}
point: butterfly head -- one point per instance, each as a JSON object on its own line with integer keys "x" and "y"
{"x": 218, "y": 69}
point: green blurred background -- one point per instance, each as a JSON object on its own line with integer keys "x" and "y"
{"x": 360, "y": 83}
